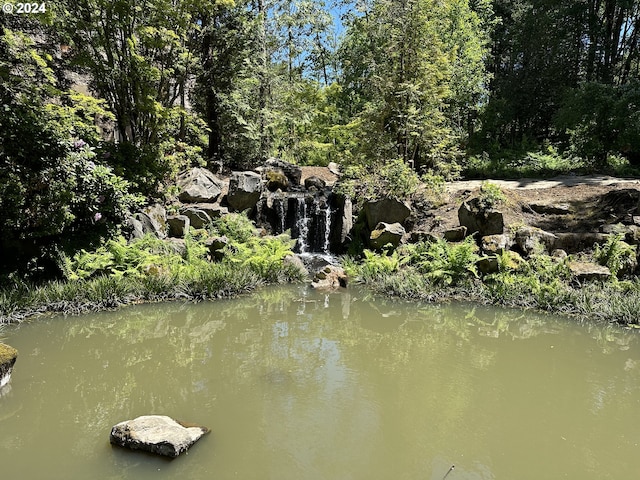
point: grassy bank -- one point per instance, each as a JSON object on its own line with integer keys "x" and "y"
{"x": 441, "y": 271}
{"x": 150, "y": 270}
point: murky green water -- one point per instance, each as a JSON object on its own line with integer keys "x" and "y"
{"x": 300, "y": 385}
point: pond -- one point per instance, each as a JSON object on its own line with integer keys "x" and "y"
{"x": 297, "y": 384}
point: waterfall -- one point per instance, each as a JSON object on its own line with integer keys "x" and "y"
{"x": 307, "y": 215}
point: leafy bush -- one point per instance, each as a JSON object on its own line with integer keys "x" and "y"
{"x": 491, "y": 196}
{"x": 617, "y": 255}
{"x": 444, "y": 262}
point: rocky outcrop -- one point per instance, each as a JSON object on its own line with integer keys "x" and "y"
{"x": 330, "y": 278}
{"x": 314, "y": 183}
{"x": 199, "y": 185}
{"x": 456, "y": 234}
{"x": 178, "y": 225}
{"x": 531, "y": 240}
{"x": 477, "y": 219}
{"x": 156, "y": 434}
{"x": 276, "y": 180}
{"x": 244, "y": 190}
{"x": 8, "y": 357}
{"x": 202, "y": 214}
{"x": 387, "y": 210}
{"x": 582, "y": 271}
{"x": 342, "y": 222}
{"x": 386, "y": 233}
{"x": 291, "y": 171}
{"x": 493, "y": 244}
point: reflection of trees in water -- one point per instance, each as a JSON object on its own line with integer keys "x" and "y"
{"x": 292, "y": 347}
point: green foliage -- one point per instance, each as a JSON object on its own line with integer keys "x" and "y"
{"x": 444, "y": 262}
{"x": 490, "y": 196}
{"x": 616, "y": 254}
{"x": 236, "y": 226}
{"x": 393, "y": 179}
{"x": 601, "y": 119}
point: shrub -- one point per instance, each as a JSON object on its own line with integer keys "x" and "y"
{"x": 617, "y": 255}
{"x": 491, "y": 196}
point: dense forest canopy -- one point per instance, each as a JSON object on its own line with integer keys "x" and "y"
{"x": 104, "y": 101}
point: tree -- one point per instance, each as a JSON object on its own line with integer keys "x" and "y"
{"x": 411, "y": 69}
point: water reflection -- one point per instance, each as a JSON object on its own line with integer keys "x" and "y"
{"x": 301, "y": 384}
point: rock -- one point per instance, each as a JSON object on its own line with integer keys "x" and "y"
{"x": 493, "y": 244}
{"x": 213, "y": 210}
{"x": 477, "y": 219}
{"x": 330, "y": 278}
{"x": 156, "y": 434}
{"x": 178, "y": 225}
{"x": 582, "y": 271}
{"x": 295, "y": 262}
{"x": 455, "y": 234}
{"x": 158, "y": 215}
{"x": 386, "y": 233}
{"x": 8, "y": 357}
{"x": 487, "y": 265}
{"x": 342, "y": 222}
{"x": 613, "y": 228}
{"x": 136, "y": 227}
{"x": 421, "y": 236}
{"x": 387, "y": 210}
{"x": 314, "y": 182}
{"x": 559, "y": 254}
{"x": 178, "y": 245}
{"x": 334, "y": 168}
{"x": 277, "y": 180}
{"x": 199, "y": 185}
{"x": 149, "y": 225}
{"x": 244, "y": 190}
{"x": 530, "y": 239}
{"x": 291, "y": 171}
{"x": 577, "y": 242}
{"x": 551, "y": 208}
{"x": 197, "y": 217}
{"x": 216, "y": 245}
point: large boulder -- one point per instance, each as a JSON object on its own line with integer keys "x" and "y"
{"x": 157, "y": 434}
{"x": 495, "y": 244}
{"x": 199, "y": 185}
{"x": 342, "y": 222}
{"x": 8, "y": 357}
{"x": 582, "y": 271}
{"x": 387, "y": 210}
{"x": 531, "y": 239}
{"x": 178, "y": 225}
{"x": 276, "y": 180}
{"x": 291, "y": 171}
{"x": 202, "y": 214}
{"x": 478, "y": 219}
{"x": 314, "y": 183}
{"x": 330, "y": 278}
{"x": 386, "y": 233}
{"x": 244, "y": 190}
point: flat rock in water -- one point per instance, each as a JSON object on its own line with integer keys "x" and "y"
{"x": 157, "y": 434}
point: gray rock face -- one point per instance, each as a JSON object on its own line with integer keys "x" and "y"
{"x": 199, "y": 185}
{"x": 341, "y": 227}
{"x": 476, "y": 219}
{"x": 551, "y": 208}
{"x": 576, "y": 242}
{"x": 216, "y": 245}
{"x": 143, "y": 223}
{"x": 178, "y": 225}
{"x": 314, "y": 182}
{"x": 530, "y": 238}
{"x": 244, "y": 190}
{"x": 8, "y": 357}
{"x": 291, "y": 171}
{"x": 198, "y": 218}
{"x": 330, "y": 278}
{"x": 385, "y": 233}
{"x": 387, "y": 210}
{"x": 588, "y": 271}
{"x": 492, "y": 244}
{"x": 156, "y": 434}
{"x": 455, "y": 234}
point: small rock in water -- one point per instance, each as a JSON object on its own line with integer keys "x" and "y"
{"x": 157, "y": 434}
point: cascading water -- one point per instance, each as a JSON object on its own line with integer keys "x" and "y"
{"x": 308, "y": 216}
